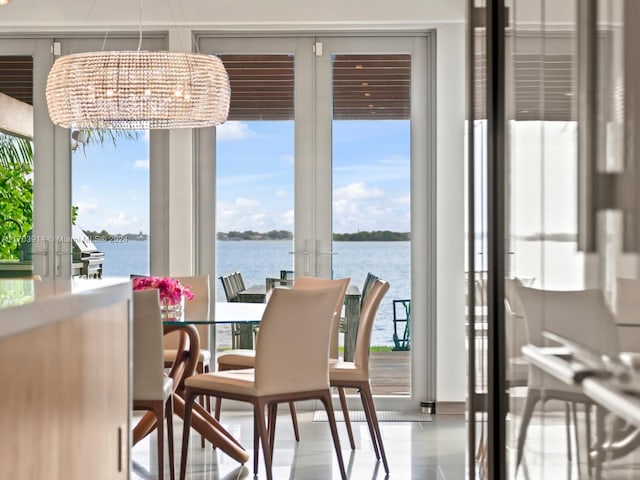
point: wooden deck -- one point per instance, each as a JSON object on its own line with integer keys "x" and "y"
{"x": 390, "y": 371}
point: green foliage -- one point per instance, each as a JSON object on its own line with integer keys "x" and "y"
{"x": 251, "y": 235}
{"x": 16, "y": 194}
{"x": 16, "y": 207}
{"x": 375, "y": 236}
{"x": 74, "y": 214}
{"x": 15, "y": 150}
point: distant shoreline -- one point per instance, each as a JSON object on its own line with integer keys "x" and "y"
{"x": 373, "y": 236}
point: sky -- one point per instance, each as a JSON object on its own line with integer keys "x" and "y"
{"x": 255, "y": 179}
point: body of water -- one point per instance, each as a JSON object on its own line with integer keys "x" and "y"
{"x": 259, "y": 259}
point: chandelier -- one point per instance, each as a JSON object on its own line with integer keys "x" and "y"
{"x": 137, "y": 90}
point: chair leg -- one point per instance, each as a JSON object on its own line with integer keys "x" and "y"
{"x": 159, "y": 411}
{"x": 201, "y": 368}
{"x": 256, "y": 445}
{"x": 587, "y": 416}
{"x": 347, "y": 420}
{"x": 169, "y": 416}
{"x": 372, "y": 420}
{"x": 259, "y": 420}
{"x": 533, "y": 396}
{"x": 326, "y": 399}
{"x": 188, "y": 407}
{"x": 218, "y": 406}
{"x": 567, "y": 422}
{"x": 294, "y": 420}
{"x": 272, "y": 415}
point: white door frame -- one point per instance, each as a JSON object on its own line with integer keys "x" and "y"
{"x": 313, "y": 173}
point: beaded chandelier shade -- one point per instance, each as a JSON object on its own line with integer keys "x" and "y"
{"x": 136, "y": 90}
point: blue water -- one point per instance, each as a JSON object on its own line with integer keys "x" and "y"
{"x": 259, "y": 259}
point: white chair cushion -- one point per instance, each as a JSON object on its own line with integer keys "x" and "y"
{"x": 148, "y": 393}
{"x": 170, "y": 355}
{"x": 346, "y": 371}
{"x": 238, "y": 358}
{"x": 232, "y": 381}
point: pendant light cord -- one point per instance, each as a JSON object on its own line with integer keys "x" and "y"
{"x": 140, "y": 27}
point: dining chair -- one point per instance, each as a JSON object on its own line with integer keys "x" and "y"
{"x": 244, "y": 358}
{"x": 582, "y": 316}
{"x": 627, "y": 306}
{"x": 152, "y": 389}
{"x": 284, "y": 371}
{"x": 198, "y": 308}
{"x": 356, "y": 374}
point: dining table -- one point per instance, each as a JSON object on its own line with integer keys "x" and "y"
{"x": 184, "y": 366}
{"x": 257, "y": 294}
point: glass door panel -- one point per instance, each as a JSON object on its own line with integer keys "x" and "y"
{"x": 255, "y": 174}
{"x": 371, "y": 196}
{"x": 110, "y": 229}
{"x": 16, "y": 174}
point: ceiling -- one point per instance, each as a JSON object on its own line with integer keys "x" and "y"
{"x": 16, "y": 77}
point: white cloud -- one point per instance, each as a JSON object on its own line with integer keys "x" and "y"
{"x": 357, "y": 191}
{"x": 281, "y": 193}
{"x": 141, "y": 164}
{"x": 120, "y": 220}
{"x": 86, "y": 208}
{"x": 246, "y": 202}
{"x": 233, "y": 130}
{"x": 84, "y": 188}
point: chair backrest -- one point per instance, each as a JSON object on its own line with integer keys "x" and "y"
{"x": 229, "y": 289}
{"x": 368, "y": 282}
{"x": 368, "y": 313}
{"x": 293, "y": 352}
{"x": 516, "y": 332}
{"x": 310, "y": 283}
{"x": 582, "y": 316}
{"x": 147, "y": 346}
{"x": 198, "y": 308}
{"x": 627, "y": 311}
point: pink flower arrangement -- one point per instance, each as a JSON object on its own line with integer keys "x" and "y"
{"x": 171, "y": 290}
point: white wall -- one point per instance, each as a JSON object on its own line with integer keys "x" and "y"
{"x": 451, "y": 357}
{"x": 21, "y": 13}
{"x": 445, "y": 16}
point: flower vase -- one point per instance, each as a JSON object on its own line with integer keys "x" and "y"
{"x": 172, "y": 312}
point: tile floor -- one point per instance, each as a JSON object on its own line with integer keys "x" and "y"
{"x": 415, "y": 450}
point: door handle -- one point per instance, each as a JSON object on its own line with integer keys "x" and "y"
{"x": 320, "y": 253}
{"x": 59, "y": 256}
{"x": 45, "y": 257}
{"x": 306, "y": 254}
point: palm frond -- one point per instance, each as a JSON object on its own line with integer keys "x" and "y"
{"x": 15, "y": 151}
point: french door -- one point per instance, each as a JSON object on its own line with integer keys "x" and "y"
{"x": 310, "y": 157}
{"x": 57, "y": 175}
